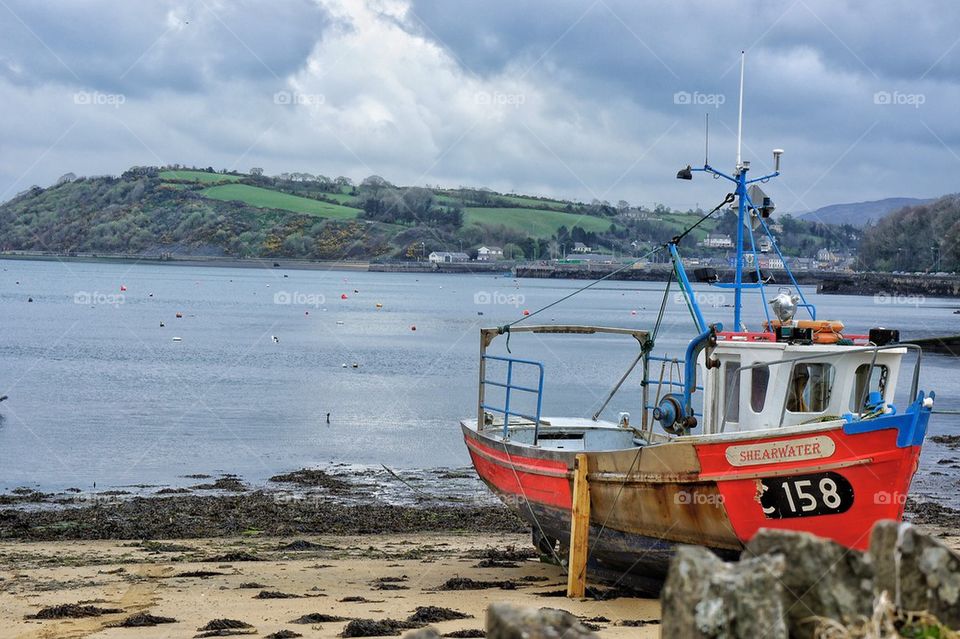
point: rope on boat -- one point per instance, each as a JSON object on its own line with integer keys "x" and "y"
{"x": 615, "y": 500}
{"x": 543, "y": 534}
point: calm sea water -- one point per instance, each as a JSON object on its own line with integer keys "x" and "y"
{"x": 100, "y": 392}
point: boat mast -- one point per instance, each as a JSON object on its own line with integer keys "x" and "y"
{"x": 748, "y": 212}
{"x": 741, "y": 173}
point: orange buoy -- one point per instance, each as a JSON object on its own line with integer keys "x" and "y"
{"x": 379, "y": 305}
{"x": 179, "y": 315}
{"x": 633, "y": 312}
{"x": 122, "y": 288}
{"x": 526, "y": 312}
{"x": 413, "y": 328}
{"x": 343, "y": 296}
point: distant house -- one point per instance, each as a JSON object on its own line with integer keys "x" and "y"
{"x": 764, "y": 244}
{"x": 826, "y": 256}
{"x": 446, "y": 257}
{"x": 717, "y": 240}
{"x": 580, "y": 247}
{"x": 489, "y": 253}
{"x": 771, "y": 262}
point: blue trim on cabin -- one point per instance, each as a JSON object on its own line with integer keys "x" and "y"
{"x": 911, "y": 426}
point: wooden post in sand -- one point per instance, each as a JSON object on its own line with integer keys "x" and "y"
{"x": 579, "y": 530}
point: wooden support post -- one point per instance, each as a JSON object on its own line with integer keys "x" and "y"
{"x": 579, "y": 530}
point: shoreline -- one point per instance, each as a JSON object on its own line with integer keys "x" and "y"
{"x": 320, "y": 555}
{"x": 882, "y": 285}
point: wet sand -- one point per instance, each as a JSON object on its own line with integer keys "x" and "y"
{"x": 394, "y": 573}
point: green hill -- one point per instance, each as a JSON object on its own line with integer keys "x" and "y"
{"x": 267, "y": 199}
{"x": 188, "y": 211}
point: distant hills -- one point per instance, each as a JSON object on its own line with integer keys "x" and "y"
{"x": 186, "y": 211}
{"x": 860, "y": 213}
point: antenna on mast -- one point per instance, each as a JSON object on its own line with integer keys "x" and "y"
{"x": 706, "y": 140}
{"x": 740, "y": 116}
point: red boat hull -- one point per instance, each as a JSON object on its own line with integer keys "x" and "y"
{"x": 717, "y": 491}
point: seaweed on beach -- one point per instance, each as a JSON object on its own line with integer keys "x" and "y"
{"x": 158, "y": 546}
{"x": 142, "y": 620}
{"x": 358, "y": 599}
{"x": 230, "y": 515}
{"x": 232, "y": 557}
{"x": 495, "y": 563}
{"x": 302, "y": 545}
{"x": 200, "y": 574}
{"x": 253, "y": 585}
{"x": 229, "y": 483}
{"x": 638, "y": 623}
{"x": 225, "y": 628}
{"x": 510, "y": 553}
{"x": 375, "y": 628}
{"x": 466, "y": 583}
{"x": 434, "y": 614}
{"x": 275, "y": 594}
{"x": 469, "y": 633}
{"x": 73, "y": 611}
{"x": 314, "y": 478}
{"x": 283, "y": 634}
{"x": 932, "y": 513}
{"x": 319, "y": 617}
{"x": 951, "y": 441}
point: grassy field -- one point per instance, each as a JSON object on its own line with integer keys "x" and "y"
{"x": 267, "y": 199}
{"x": 532, "y": 202}
{"x": 534, "y": 222}
{"x": 198, "y": 176}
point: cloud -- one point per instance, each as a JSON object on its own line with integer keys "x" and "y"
{"x": 571, "y": 99}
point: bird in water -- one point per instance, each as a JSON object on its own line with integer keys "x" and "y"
{"x": 276, "y": 340}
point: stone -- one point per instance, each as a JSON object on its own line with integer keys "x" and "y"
{"x": 508, "y": 621}
{"x": 917, "y": 571}
{"x": 824, "y": 579}
{"x": 705, "y": 597}
{"x": 423, "y": 633}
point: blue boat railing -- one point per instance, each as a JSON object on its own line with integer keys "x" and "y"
{"x": 509, "y": 387}
{"x": 668, "y": 383}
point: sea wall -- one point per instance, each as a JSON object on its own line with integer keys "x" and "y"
{"x": 827, "y": 282}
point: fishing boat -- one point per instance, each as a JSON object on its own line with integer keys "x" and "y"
{"x": 785, "y": 422}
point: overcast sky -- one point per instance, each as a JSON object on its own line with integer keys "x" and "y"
{"x": 589, "y": 100}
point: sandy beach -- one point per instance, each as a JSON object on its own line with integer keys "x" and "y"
{"x": 352, "y": 577}
{"x": 310, "y": 553}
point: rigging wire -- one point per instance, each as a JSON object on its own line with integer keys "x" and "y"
{"x": 676, "y": 240}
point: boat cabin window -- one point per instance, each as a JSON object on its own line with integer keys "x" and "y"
{"x": 810, "y": 387}
{"x": 867, "y": 381}
{"x": 759, "y": 380}
{"x": 731, "y": 389}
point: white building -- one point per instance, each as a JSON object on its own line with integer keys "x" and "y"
{"x": 446, "y": 257}
{"x": 489, "y": 253}
{"x": 717, "y": 240}
{"x": 580, "y": 247}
